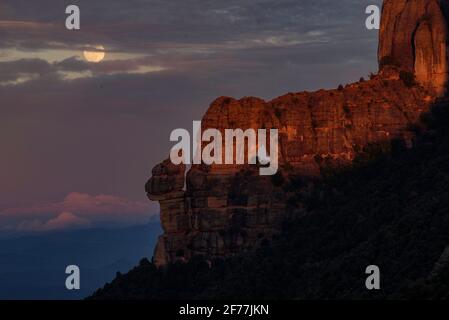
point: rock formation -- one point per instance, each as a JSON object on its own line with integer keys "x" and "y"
{"x": 414, "y": 34}
{"x": 221, "y": 210}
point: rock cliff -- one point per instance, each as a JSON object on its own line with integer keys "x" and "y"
{"x": 221, "y": 210}
{"x": 414, "y": 34}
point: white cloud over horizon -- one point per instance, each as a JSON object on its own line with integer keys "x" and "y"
{"x": 78, "y": 211}
{"x": 65, "y": 220}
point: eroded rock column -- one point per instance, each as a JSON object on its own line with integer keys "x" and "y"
{"x": 414, "y": 34}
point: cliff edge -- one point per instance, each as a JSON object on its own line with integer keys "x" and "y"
{"x": 222, "y": 210}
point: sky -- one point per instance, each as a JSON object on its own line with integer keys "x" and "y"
{"x": 78, "y": 139}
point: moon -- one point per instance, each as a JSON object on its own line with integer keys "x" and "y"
{"x": 95, "y": 56}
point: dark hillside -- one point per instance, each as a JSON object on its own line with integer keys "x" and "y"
{"x": 390, "y": 209}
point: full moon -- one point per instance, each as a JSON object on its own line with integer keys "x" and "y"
{"x": 95, "y": 56}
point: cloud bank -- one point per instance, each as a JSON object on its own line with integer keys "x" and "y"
{"x": 78, "y": 210}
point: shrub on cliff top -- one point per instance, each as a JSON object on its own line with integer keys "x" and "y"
{"x": 388, "y": 61}
{"x": 408, "y": 78}
{"x": 278, "y": 113}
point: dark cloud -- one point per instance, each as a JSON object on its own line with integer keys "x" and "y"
{"x": 73, "y": 64}
{"x": 11, "y": 71}
{"x": 143, "y": 25}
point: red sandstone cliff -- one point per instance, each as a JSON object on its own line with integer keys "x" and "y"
{"x": 415, "y": 34}
{"x": 228, "y": 209}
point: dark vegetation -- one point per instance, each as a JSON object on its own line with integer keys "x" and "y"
{"x": 388, "y": 61}
{"x": 408, "y": 78}
{"x": 391, "y": 209}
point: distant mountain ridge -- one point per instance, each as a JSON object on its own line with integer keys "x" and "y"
{"x": 33, "y": 267}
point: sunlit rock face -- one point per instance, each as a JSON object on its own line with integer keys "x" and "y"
{"x": 415, "y": 34}
{"x": 227, "y": 209}
{"x": 221, "y": 210}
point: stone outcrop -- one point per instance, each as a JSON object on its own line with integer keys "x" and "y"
{"x": 225, "y": 209}
{"x": 414, "y": 34}
{"x": 221, "y": 210}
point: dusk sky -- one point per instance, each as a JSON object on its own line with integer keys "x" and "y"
{"x": 78, "y": 139}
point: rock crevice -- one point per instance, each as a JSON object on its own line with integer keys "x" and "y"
{"x": 414, "y": 34}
